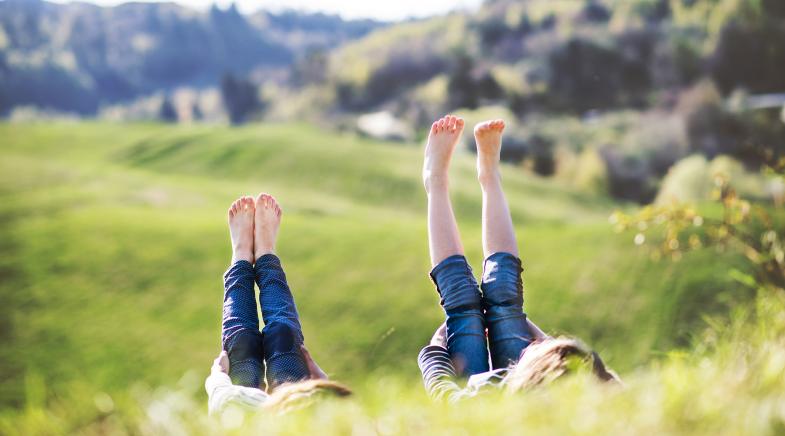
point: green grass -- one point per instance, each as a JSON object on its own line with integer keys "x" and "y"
{"x": 113, "y": 243}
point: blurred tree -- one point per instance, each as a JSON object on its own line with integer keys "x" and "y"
{"x": 196, "y": 112}
{"x": 711, "y": 129}
{"x": 461, "y": 88}
{"x": 400, "y": 71}
{"x": 751, "y": 57}
{"x": 543, "y": 157}
{"x": 585, "y": 75}
{"x": 311, "y": 69}
{"x": 595, "y": 12}
{"x": 167, "y": 112}
{"x": 240, "y": 97}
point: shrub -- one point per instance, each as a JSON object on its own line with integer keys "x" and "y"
{"x": 590, "y": 172}
{"x": 240, "y": 97}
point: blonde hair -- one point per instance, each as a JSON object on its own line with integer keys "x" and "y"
{"x": 545, "y": 361}
{"x": 291, "y": 396}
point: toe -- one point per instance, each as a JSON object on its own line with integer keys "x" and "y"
{"x": 260, "y": 199}
{"x": 442, "y": 122}
{"x": 459, "y": 123}
{"x": 434, "y": 126}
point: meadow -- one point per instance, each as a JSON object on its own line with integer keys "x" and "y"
{"x": 113, "y": 243}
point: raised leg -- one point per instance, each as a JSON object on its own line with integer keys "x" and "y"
{"x": 240, "y": 335}
{"x": 283, "y": 335}
{"x": 460, "y": 294}
{"x": 502, "y": 287}
{"x": 498, "y": 234}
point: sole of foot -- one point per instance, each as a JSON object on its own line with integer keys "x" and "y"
{"x": 442, "y": 139}
{"x": 488, "y": 136}
{"x": 267, "y": 220}
{"x": 241, "y": 229}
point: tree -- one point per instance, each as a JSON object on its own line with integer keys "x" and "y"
{"x": 167, "y": 112}
{"x": 461, "y": 87}
{"x": 240, "y": 97}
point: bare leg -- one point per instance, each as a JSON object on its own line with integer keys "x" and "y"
{"x": 283, "y": 335}
{"x": 240, "y": 334}
{"x": 498, "y": 234}
{"x": 460, "y": 294}
{"x": 508, "y": 332}
{"x": 443, "y": 237}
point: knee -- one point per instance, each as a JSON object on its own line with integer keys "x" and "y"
{"x": 244, "y": 345}
{"x": 280, "y": 337}
{"x": 456, "y": 284}
{"x": 502, "y": 294}
{"x": 501, "y": 280}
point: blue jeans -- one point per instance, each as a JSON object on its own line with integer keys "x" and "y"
{"x": 499, "y": 308}
{"x": 502, "y": 297}
{"x": 278, "y": 344}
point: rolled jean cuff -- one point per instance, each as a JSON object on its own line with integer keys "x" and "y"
{"x": 268, "y": 260}
{"x": 239, "y": 268}
{"x": 501, "y": 280}
{"x": 456, "y": 284}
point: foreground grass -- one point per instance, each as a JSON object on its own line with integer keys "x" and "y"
{"x": 113, "y": 243}
{"x": 733, "y": 382}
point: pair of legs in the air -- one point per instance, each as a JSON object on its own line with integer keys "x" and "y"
{"x": 253, "y": 226}
{"x": 496, "y": 305}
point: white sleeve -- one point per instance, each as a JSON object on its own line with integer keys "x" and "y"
{"x": 221, "y": 393}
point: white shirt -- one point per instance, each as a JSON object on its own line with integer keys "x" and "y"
{"x": 221, "y": 393}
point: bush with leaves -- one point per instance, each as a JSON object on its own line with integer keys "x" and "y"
{"x": 751, "y": 230}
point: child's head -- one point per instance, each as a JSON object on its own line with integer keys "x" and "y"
{"x": 295, "y": 395}
{"x": 547, "y": 360}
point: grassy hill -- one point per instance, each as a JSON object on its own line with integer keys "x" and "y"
{"x": 113, "y": 243}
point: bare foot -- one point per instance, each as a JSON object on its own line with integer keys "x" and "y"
{"x": 241, "y": 214}
{"x": 488, "y": 135}
{"x": 266, "y": 223}
{"x": 442, "y": 139}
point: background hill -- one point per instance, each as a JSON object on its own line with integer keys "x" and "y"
{"x": 77, "y": 57}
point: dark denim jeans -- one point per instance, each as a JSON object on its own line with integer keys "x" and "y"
{"x": 499, "y": 308}
{"x": 278, "y": 344}
{"x": 502, "y": 298}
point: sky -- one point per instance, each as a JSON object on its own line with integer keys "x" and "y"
{"x": 389, "y": 10}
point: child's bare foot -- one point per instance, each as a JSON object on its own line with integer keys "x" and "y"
{"x": 266, "y": 223}
{"x": 442, "y": 139}
{"x": 488, "y": 135}
{"x": 241, "y": 214}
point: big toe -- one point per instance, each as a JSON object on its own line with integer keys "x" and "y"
{"x": 261, "y": 200}
{"x": 442, "y": 124}
{"x": 247, "y": 203}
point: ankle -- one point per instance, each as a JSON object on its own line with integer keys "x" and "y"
{"x": 435, "y": 182}
{"x": 489, "y": 177}
{"x": 262, "y": 251}
{"x": 239, "y": 254}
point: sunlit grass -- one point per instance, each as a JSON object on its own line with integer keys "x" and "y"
{"x": 113, "y": 243}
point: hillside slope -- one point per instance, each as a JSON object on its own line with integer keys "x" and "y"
{"x": 114, "y": 243}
